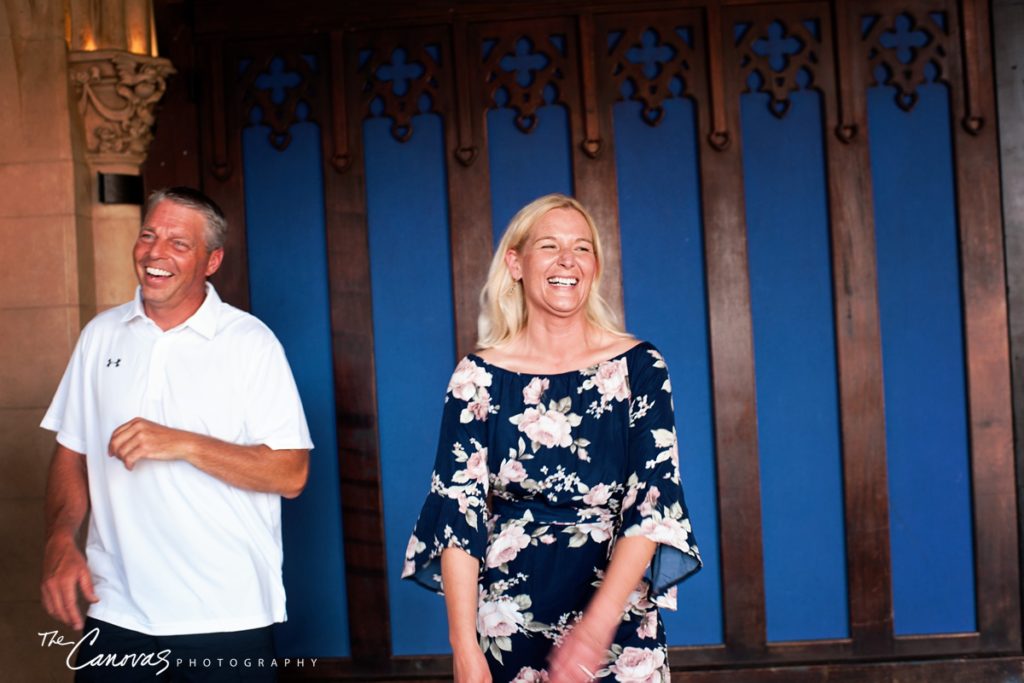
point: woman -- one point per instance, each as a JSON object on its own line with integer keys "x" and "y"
{"x": 556, "y": 485}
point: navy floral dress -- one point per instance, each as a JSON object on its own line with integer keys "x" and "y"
{"x": 537, "y": 476}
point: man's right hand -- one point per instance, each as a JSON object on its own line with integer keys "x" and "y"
{"x": 65, "y": 572}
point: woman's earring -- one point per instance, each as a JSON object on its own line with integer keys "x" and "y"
{"x": 511, "y": 288}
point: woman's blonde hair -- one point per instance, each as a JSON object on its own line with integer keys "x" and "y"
{"x": 502, "y": 303}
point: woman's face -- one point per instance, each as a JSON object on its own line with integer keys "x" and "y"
{"x": 556, "y": 264}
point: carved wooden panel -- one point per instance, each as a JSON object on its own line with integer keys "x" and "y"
{"x": 779, "y": 57}
{"x": 525, "y": 66}
{"x": 905, "y": 50}
{"x": 276, "y": 89}
{"x": 399, "y": 78}
{"x": 339, "y": 63}
{"x": 653, "y": 58}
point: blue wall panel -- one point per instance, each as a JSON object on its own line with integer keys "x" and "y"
{"x": 665, "y": 302}
{"x": 525, "y": 166}
{"x": 794, "y": 349}
{"x": 414, "y": 348}
{"x": 923, "y": 362}
{"x": 289, "y": 292}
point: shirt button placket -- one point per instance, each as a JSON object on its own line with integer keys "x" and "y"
{"x": 156, "y": 378}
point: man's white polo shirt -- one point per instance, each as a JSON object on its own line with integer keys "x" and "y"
{"x": 173, "y": 550}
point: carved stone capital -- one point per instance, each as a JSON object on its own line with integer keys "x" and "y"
{"x": 117, "y": 94}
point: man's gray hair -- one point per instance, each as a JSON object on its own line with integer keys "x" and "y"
{"x": 216, "y": 223}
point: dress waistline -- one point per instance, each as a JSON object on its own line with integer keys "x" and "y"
{"x": 542, "y": 512}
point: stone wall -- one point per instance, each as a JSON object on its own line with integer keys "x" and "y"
{"x": 46, "y": 292}
{"x": 78, "y": 84}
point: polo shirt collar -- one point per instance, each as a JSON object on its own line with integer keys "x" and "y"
{"x": 135, "y": 310}
{"x": 203, "y": 321}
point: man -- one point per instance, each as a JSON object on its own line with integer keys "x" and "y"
{"x": 178, "y": 422}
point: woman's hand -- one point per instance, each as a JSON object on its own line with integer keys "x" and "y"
{"x": 460, "y": 572}
{"x": 582, "y": 653}
{"x": 585, "y": 649}
{"x": 470, "y": 665}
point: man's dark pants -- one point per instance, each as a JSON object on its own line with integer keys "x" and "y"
{"x": 113, "y": 654}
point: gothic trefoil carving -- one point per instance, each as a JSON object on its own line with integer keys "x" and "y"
{"x": 401, "y": 81}
{"x": 779, "y": 59}
{"x": 650, "y": 65}
{"x": 906, "y": 51}
{"x": 117, "y": 95}
{"x": 278, "y": 90}
{"x": 524, "y": 72}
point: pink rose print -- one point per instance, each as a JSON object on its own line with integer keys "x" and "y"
{"x": 629, "y": 498}
{"x": 498, "y": 618}
{"x": 534, "y": 390}
{"x": 476, "y": 466}
{"x": 468, "y": 376}
{"x": 612, "y": 380}
{"x": 668, "y": 531}
{"x": 647, "y": 507}
{"x": 638, "y": 665}
{"x": 528, "y": 675}
{"x": 511, "y": 471}
{"x": 648, "y": 625}
{"x": 550, "y": 428}
{"x": 598, "y": 495}
{"x": 506, "y": 545}
{"x": 477, "y": 409}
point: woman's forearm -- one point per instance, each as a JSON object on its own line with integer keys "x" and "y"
{"x": 460, "y": 573}
{"x": 629, "y": 560}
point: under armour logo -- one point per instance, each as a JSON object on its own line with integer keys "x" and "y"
{"x": 115, "y": 363}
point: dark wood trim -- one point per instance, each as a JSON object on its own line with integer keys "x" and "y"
{"x": 936, "y": 645}
{"x": 1008, "y": 27}
{"x": 469, "y": 186}
{"x": 355, "y": 376}
{"x": 961, "y": 670}
{"x": 222, "y": 177}
{"x": 340, "y": 157}
{"x": 593, "y": 157}
{"x": 425, "y": 668}
{"x": 954, "y": 671}
{"x": 734, "y": 395}
{"x": 688, "y": 660}
{"x": 174, "y": 155}
{"x": 858, "y": 339}
{"x": 237, "y": 17}
{"x": 986, "y": 338}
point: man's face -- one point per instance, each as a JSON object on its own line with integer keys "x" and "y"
{"x": 172, "y": 263}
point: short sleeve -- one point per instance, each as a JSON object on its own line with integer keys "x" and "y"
{"x": 653, "y": 506}
{"x": 454, "y": 514}
{"x": 273, "y": 414}
{"x": 66, "y": 415}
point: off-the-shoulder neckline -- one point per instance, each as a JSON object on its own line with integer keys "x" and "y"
{"x": 599, "y": 363}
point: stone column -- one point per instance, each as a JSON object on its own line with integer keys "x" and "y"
{"x": 62, "y": 255}
{"x": 116, "y": 93}
{"x": 117, "y": 81}
{"x": 46, "y": 292}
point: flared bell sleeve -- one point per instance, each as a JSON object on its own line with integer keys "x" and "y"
{"x": 653, "y": 505}
{"x": 454, "y": 514}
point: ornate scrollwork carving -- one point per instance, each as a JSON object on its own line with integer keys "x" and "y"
{"x": 779, "y": 58}
{"x": 909, "y": 51}
{"x": 400, "y": 81}
{"x": 117, "y": 95}
{"x": 650, "y": 65}
{"x": 524, "y": 71}
{"x": 274, "y": 86}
